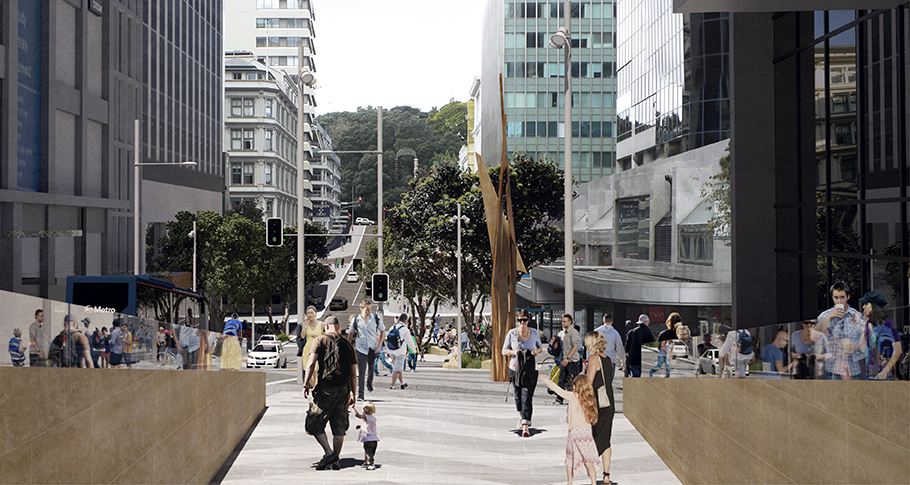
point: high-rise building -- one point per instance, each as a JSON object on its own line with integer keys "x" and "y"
{"x": 277, "y": 32}
{"x": 326, "y": 182}
{"x": 820, "y": 161}
{"x": 260, "y": 132}
{"x": 74, "y": 76}
{"x": 272, "y": 30}
{"x": 515, "y": 44}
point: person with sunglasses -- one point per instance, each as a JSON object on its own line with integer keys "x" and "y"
{"x": 522, "y": 344}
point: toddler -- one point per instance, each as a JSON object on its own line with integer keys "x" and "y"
{"x": 581, "y": 450}
{"x": 368, "y": 435}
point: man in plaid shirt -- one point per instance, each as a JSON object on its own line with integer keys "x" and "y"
{"x": 843, "y": 327}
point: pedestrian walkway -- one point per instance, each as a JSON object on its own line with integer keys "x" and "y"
{"x": 448, "y": 427}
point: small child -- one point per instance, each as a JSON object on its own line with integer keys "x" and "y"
{"x": 581, "y": 450}
{"x": 368, "y": 435}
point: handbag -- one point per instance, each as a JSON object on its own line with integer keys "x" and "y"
{"x": 218, "y": 347}
{"x": 603, "y": 399}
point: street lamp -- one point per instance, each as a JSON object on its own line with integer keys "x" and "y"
{"x": 305, "y": 77}
{"x": 457, "y": 219}
{"x": 137, "y": 150}
{"x": 562, "y": 39}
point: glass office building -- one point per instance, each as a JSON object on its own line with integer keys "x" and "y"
{"x": 516, "y": 45}
{"x": 673, "y": 79}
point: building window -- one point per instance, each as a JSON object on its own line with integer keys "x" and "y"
{"x": 236, "y": 139}
{"x": 696, "y": 245}
{"x": 236, "y": 107}
{"x": 237, "y": 76}
{"x": 268, "y": 140}
{"x": 268, "y": 108}
{"x": 248, "y": 140}
{"x": 248, "y": 109}
{"x": 268, "y": 174}
{"x": 267, "y": 4}
{"x": 248, "y": 174}
{"x": 235, "y": 174}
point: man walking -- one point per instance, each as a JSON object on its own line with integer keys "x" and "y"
{"x": 843, "y": 327}
{"x": 334, "y": 392}
{"x": 614, "y": 342}
{"x": 568, "y": 366}
{"x": 40, "y": 342}
{"x": 366, "y": 332}
{"x": 637, "y": 337}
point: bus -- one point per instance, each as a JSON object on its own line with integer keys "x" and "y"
{"x": 141, "y": 296}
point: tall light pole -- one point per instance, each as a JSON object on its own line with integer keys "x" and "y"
{"x": 305, "y": 77}
{"x": 458, "y": 218}
{"x": 563, "y": 39}
{"x": 137, "y": 181}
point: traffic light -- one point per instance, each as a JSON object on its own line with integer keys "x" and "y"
{"x": 274, "y": 232}
{"x": 368, "y": 286}
{"x": 380, "y": 287}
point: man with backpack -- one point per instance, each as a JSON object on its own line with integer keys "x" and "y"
{"x": 366, "y": 332}
{"x": 397, "y": 343}
{"x": 614, "y": 342}
{"x": 334, "y": 391}
{"x": 742, "y": 344}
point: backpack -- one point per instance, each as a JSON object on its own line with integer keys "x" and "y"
{"x": 746, "y": 342}
{"x": 393, "y": 340}
{"x": 62, "y": 353}
{"x": 526, "y": 373}
{"x": 355, "y": 333}
{"x": 332, "y": 371}
{"x": 884, "y": 343}
{"x": 555, "y": 347}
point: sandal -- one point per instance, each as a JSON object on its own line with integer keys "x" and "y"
{"x": 606, "y": 480}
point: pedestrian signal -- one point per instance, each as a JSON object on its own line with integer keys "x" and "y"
{"x": 380, "y": 287}
{"x": 274, "y": 232}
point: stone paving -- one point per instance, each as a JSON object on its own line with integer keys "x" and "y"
{"x": 448, "y": 427}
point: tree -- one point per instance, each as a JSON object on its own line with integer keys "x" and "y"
{"x": 451, "y": 119}
{"x": 234, "y": 266}
{"x": 718, "y": 191}
{"x": 420, "y": 237}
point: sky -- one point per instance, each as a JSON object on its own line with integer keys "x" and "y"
{"x": 418, "y": 53}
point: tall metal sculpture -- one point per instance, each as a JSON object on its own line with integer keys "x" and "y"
{"x": 507, "y": 263}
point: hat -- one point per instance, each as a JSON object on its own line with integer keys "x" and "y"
{"x": 86, "y": 320}
{"x": 69, "y": 318}
{"x": 875, "y": 298}
{"x": 330, "y": 320}
{"x": 643, "y": 318}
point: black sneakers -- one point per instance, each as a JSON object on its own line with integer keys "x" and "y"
{"x": 327, "y": 461}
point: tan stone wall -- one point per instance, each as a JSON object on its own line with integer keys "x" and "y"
{"x": 775, "y": 431}
{"x": 122, "y": 426}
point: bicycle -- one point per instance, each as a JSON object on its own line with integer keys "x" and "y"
{"x": 169, "y": 358}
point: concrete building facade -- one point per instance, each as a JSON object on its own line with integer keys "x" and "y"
{"x": 74, "y": 76}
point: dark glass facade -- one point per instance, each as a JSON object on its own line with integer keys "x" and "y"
{"x": 842, "y": 208}
{"x": 672, "y": 75}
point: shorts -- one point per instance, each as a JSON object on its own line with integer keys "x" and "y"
{"x": 116, "y": 359}
{"x": 329, "y": 405}
{"x": 398, "y": 362}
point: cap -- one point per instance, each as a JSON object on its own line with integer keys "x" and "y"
{"x": 330, "y": 320}
{"x": 643, "y": 318}
{"x": 86, "y": 320}
{"x": 875, "y": 298}
{"x": 69, "y": 318}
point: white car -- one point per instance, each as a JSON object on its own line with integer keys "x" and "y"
{"x": 268, "y": 339}
{"x": 363, "y": 221}
{"x": 707, "y": 363}
{"x": 352, "y": 277}
{"x": 267, "y": 355}
{"x": 680, "y": 349}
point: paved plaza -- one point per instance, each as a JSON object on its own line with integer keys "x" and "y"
{"x": 446, "y": 427}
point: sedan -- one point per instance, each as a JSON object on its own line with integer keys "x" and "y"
{"x": 352, "y": 277}
{"x": 707, "y": 363}
{"x": 338, "y": 303}
{"x": 267, "y": 355}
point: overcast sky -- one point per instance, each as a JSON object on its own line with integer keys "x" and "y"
{"x": 418, "y": 53}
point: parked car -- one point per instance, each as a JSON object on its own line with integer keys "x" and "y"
{"x": 338, "y": 303}
{"x": 680, "y": 349}
{"x": 267, "y": 355}
{"x": 707, "y": 363}
{"x": 352, "y": 277}
{"x": 268, "y": 339}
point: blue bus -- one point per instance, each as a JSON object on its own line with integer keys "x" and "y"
{"x": 141, "y": 296}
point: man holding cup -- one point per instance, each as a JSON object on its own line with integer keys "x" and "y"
{"x": 843, "y": 327}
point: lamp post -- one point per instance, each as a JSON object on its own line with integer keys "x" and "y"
{"x": 562, "y": 39}
{"x": 457, "y": 219}
{"x": 137, "y": 180}
{"x": 305, "y": 77}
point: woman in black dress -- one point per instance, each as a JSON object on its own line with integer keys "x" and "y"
{"x": 599, "y": 367}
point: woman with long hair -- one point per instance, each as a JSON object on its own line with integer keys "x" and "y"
{"x": 311, "y": 329}
{"x": 599, "y": 365}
